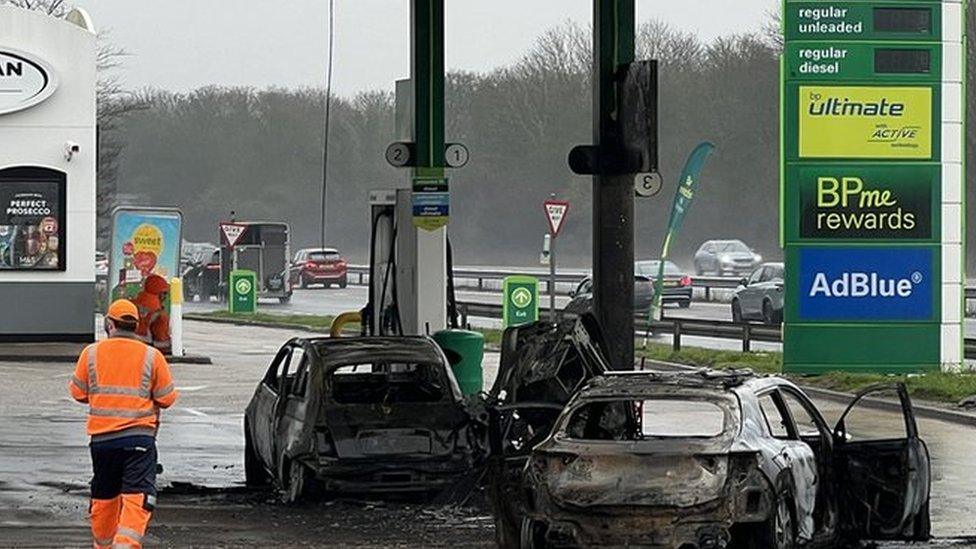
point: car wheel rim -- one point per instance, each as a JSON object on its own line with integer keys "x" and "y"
{"x": 296, "y": 481}
{"x": 784, "y": 525}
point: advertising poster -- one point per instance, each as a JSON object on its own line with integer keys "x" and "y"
{"x": 144, "y": 242}
{"x": 32, "y": 225}
{"x": 866, "y": 122}
{"x": 867, "y": 201}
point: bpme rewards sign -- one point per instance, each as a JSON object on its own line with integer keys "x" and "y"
{"x": 872, "y": 185}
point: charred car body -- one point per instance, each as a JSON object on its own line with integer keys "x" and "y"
{"x": 694, "y": 460}
{"x": 380, "y": 414}
{"x": 542, "y": 366}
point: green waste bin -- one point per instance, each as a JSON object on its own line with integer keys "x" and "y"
{"x": 465, "y": 350}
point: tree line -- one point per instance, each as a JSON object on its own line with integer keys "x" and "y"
{"x": 259, "y": 152}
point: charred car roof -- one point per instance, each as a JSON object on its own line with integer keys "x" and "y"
{"x": 335, "y": 352}
{"x": 625, "y": 383}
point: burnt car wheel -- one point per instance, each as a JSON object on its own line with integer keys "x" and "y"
{"x": 769, "y": 316}
{"x": 254, "y": 473}
{"x": 304, "y": 282}
{"x": 294, "y": 482}
{"x": 532, "y": 534}
{"x": 779, "y": 531}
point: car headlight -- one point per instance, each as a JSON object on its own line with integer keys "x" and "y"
{"x": 725, "y": 259}
{"x": 757, "y": 258}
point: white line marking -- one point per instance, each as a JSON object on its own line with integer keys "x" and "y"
{"x": 192, "y": 388}
{"x": 197, "y": 413}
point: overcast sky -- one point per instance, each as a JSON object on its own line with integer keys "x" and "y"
{"x": 183, "y": 44}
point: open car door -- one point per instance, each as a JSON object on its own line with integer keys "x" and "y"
{"x": 883, "y": 483}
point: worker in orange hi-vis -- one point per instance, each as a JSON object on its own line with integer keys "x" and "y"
{"x": 125, "y": 383}
{"x": 153, "y": 327}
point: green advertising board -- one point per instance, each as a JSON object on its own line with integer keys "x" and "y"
{"x": 872, "y": 188}
{"x": 243, "y": 291}
{"x": 521, "y": 300}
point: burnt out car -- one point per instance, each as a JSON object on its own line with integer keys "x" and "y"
{"x": 542, "y": 366}
{"x": 708, "y": 459}
{"x": 361, "y": 415}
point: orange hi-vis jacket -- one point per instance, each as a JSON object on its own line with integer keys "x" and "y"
{"x": 125, "y": 382}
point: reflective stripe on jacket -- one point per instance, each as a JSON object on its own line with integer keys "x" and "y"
{"x": 124, "y": 382}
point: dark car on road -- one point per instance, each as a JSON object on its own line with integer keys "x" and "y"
{"x": 323, "y": 266}
{"x": 725, "y": 258}
{"x": 710, "y": 459}
{"x": 365, "y": 415}
{"x": 677, "y": 285}
{"x": 760, "y": 296}
{"x": 677, "y": 288}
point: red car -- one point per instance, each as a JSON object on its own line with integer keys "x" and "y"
{"x": 318, "y": 266}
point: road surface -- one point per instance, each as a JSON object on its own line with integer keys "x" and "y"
{"x": 44, "y": 465}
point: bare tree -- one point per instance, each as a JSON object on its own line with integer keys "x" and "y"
{"x": 57, "y": 8}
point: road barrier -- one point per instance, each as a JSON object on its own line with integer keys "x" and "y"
{"x": 566, "y": 281}
{"x": 746, "y": 332}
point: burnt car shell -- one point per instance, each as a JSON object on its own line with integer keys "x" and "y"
{"x": 613, "y": 488}
{"x": 542, "y": 366}
{"x": 380, "y": 414}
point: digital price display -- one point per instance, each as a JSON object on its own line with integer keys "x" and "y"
{"x": 902, "y": 61}
{"x": 903, "y": 20}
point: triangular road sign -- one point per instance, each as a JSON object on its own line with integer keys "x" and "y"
{"x": 232, "y": 232}
{"x": 556, "y": 214}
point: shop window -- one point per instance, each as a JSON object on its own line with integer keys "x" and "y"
{"x": 32, "y": 219}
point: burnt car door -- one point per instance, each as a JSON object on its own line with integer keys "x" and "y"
{"x": 263, "y": 407}
{"x": 541, "y": 367}
{"x": 883, "y": 481}
{"x": 289, "y": 411}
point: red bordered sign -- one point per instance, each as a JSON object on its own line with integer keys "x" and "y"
{"x": 556, "y": 211}
{"x": 232, "y": 232}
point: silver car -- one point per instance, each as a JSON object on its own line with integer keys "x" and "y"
{"x": 725, "y": 258}
{"x": 760, "y": 297}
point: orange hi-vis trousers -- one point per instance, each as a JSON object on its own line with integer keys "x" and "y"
{"x": 123, "y": 491}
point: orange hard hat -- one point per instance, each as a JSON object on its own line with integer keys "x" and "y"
{"x": 155, "y": 284}
{"x": 123, "y": 310}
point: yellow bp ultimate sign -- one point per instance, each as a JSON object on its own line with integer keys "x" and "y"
{"x": 865, "y": 122}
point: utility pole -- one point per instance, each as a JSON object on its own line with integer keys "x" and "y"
{"x": 613, "y": 195}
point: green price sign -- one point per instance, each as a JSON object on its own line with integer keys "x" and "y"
{"x": 521, "y": 300}
{"x": 243, "y": 291}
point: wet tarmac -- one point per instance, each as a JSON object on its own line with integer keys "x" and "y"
{"x": 44, "y": 465}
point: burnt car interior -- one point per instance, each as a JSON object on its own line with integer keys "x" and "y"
{"x": 386, "y": 382}
{"x": 637, "y": 420}
{"x": 881, "y": 479}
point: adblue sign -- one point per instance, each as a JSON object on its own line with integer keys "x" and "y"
{"x": 25, "y": 81}
{"x": 858, "y": 284}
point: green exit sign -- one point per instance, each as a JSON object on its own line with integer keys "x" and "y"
{"x": 521, "y": 300}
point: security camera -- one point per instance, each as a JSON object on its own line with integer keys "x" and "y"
{"x": 70, "y": 149}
